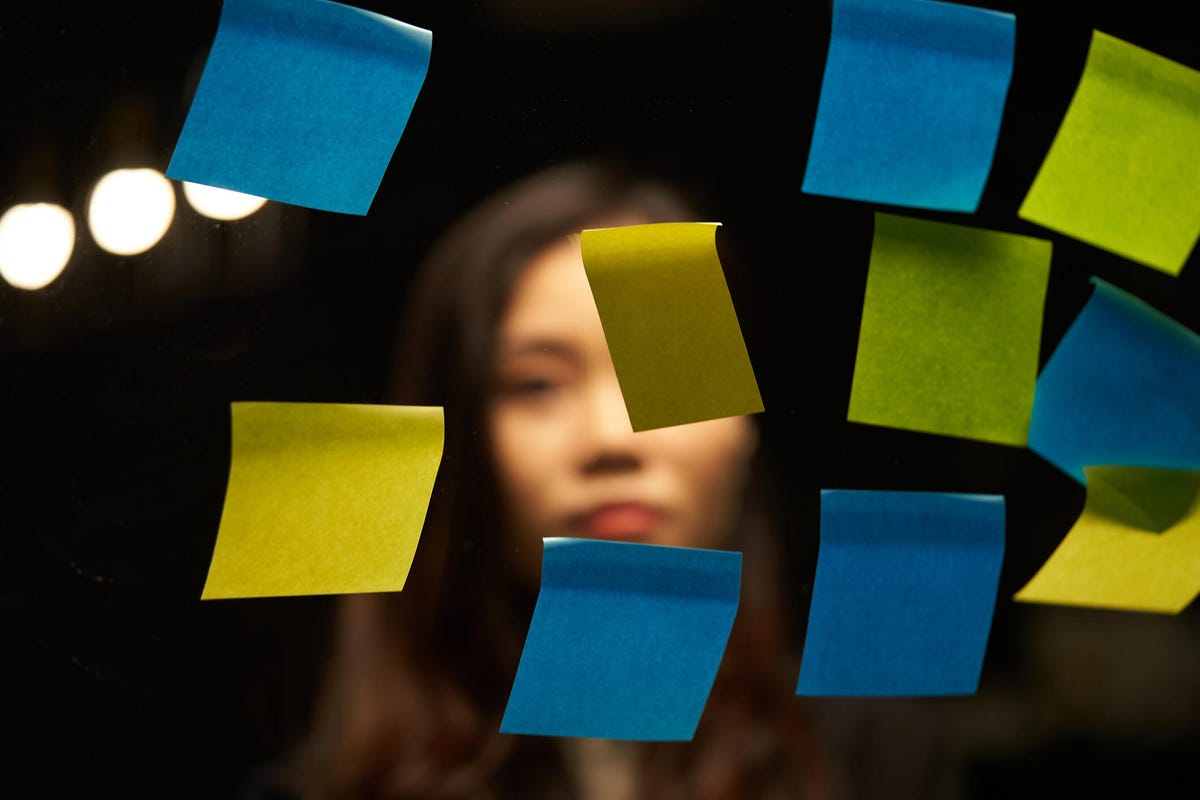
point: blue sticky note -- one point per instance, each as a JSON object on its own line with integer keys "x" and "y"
{"x": 1122, "y": 387}
{"x": 625, "y": 640}
{"x": 904, "y": 593}
{"x": 911, "y": 103}
{"x": 303, "y": 102}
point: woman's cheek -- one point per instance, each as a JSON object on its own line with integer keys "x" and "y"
{"x": 523, "y": 446}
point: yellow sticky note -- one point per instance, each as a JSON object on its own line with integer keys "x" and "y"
{"x": 670, "y": 323}
{"x": 1123, "y": 171}
{"x": 951, "y": 325}
{"x": 1135, "y": 547}
{"x": 324, "y": 498}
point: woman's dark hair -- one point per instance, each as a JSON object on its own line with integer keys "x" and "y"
{"x": 418, "y": 679}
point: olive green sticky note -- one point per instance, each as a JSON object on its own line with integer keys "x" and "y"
{"x": 951, "y": 326}
{"x": 670, "y": 323}
{"x": 324, "y": 498}
{"x": 1123, "y": 171}
{"x": 1135, "y": 547}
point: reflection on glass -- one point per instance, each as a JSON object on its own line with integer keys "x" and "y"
{"x": 222, "y": 204}
{"x": 130, "y": 210}
{"x": 36, "y": 240}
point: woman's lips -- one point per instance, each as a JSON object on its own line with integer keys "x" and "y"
{"x": 624, "y": 521}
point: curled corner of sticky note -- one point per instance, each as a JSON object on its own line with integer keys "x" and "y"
{"x": 1143, "y": 498}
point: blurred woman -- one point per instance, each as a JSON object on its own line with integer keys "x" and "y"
{"x": 502, "y": 331}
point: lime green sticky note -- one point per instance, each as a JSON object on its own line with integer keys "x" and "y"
{"x": 1135, "y": 547}
{"x": 670, "y": 323}
{"x": 1123, "y": 170}
{"x": 324, "y": 498}
{"x": 951, "y": 326}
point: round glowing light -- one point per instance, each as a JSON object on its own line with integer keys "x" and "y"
{"x": 223, "y": 204}
{"x": 130, "y": 210}
{"x": 36, "y": 240}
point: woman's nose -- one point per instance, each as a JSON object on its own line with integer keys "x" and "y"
{"x": 607, "y": 438}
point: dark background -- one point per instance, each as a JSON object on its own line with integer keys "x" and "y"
{"x": 115, "y": 380}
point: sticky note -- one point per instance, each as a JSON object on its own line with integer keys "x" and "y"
{"x": 951, "y": 326}
{"x": 904, "y": 593}
{"x": 911, "y": 102}
{"x": 625, "y": 640}
{"x": 1123, "y": 170}
{"x": 1120, "y": 388}
{"x": 303, "y": 102}
{"x": 1135, "y": 547}
{"x": 324, "y": 498}
{"x": 670, "y": 323}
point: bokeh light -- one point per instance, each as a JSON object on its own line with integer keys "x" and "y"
{"x": 36, "y": 241}
{"x": 130, "y": 210}
{"x": 222, "y": 204}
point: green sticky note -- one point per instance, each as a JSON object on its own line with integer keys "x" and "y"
{"x": 1123, "y": 171}
{"x": 324, "y": 498}
{"x": 670, "y": 323}
{"x": 1135, "y": 547}
{"x": 951, "y": 325}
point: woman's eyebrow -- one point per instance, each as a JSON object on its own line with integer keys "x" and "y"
{"x": 538, "y": 346}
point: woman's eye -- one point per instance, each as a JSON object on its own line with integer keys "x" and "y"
{"x": 528, "y": 388}
{"x": 534, "y": 386}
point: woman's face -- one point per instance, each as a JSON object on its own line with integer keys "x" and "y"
{"x": 567, "y": 460}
